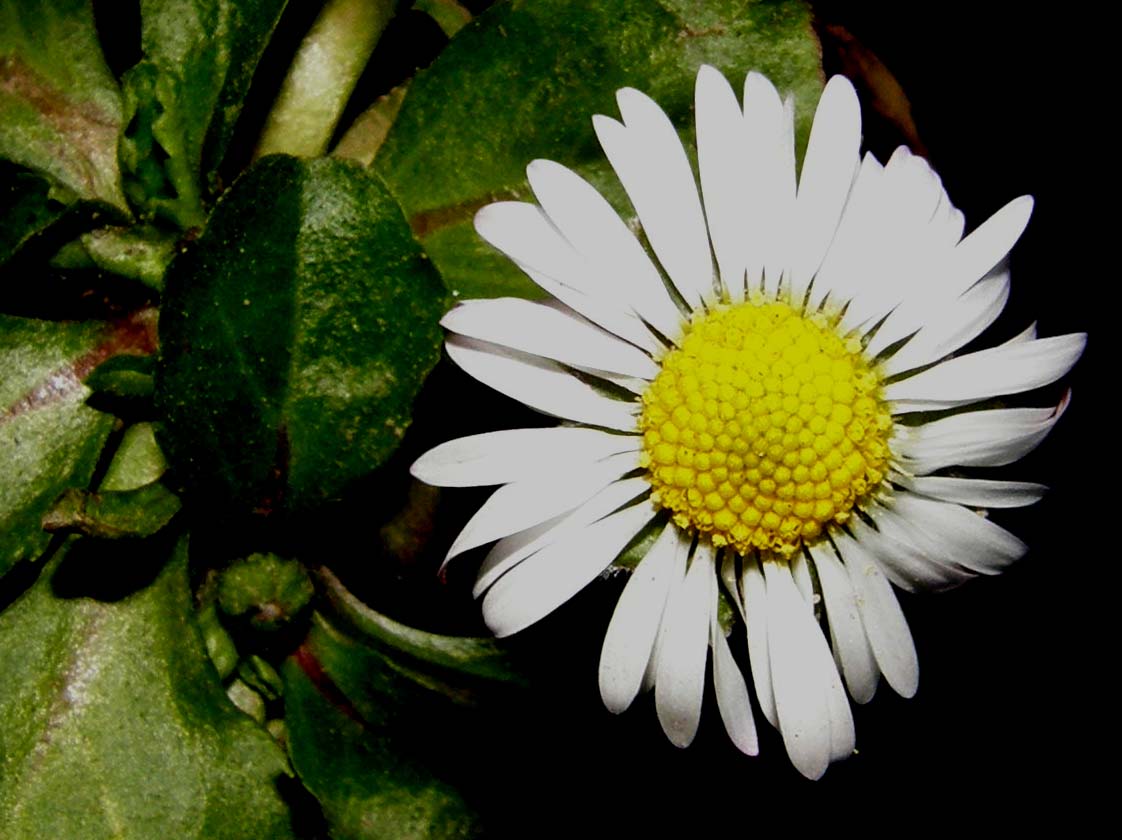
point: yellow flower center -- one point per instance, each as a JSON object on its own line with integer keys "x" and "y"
{"x": 764, "y": 426}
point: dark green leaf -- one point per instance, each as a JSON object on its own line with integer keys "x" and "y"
{"x": 114, "y": 514}
{"x": 357, "y": 737}
{"x": 26, "y": 209}
{"x": 123, "y": 376}
{"x": 523, "y": 81}
{"x": 60, "y": 108}
{"x": 476, "y": 656}
{"x": 295, "y": 335}
{"x": 115, "y": 724}
{"x": 183, "y": 99}
{"x": 49, "y": 439}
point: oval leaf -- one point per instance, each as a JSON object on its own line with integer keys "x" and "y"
{"x": 295, "y": 335}
{"x": 523, "y": 81}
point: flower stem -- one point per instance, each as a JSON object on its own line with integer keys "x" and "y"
{"x": 323, "y": 74}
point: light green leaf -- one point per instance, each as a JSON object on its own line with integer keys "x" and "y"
{"x": 294, "y": 337}
{"x": 60, "y": 105}
{"x": 114, "y": 514}
{"x": 49, "y": 439}
{"x": 115, "y": 724}
{"x": 523, "y": 80}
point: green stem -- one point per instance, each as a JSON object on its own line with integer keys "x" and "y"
{"x": 323, "y": 74}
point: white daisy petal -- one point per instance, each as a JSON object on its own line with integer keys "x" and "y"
{"x": 1027, "y": 334}
{"x": 543, "y": 582}
{"x": 885, "y": 626}
{"x": 800, "y": 571}
{"x": 908, "y": 556}
{"x": 516, "y": 454}
{"x": 831, "y": 161}
{"x": 839, "y": 276}
{"x": 721, "y": 139}
{"x": 978, "y": 492}
{"x": 629, "y": 640}
{"x": 969, "y": 539}
{"x": 991, "y": 438}
{"x": 510, "y": 551}
{"x": 847, "y": 634}
{"x": 597, "y": 232}
{"x": 796, "y": 650}
{"x": 1008, "y": 369}
{"x": 651, "y": 164}
{"x": 770, "y": 158}
{"x": 906, "y": 244}
{"x": 524, "y": 233}
{"x": 541, "y": 384}
{"x": 548, "y": 332}
{"x": 756, "y": 627}
{"x": 731, "y": 691}
{"x": 986, "y": 246}
{"x": 524, "y": 504}
{"x": 946, "y": 325}
{"x": 680, "y": 670}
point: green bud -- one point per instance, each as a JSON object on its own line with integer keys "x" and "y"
{"x": 266, "y": 590}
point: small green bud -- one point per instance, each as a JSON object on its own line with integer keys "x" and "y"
{"x": 266, "y": 590}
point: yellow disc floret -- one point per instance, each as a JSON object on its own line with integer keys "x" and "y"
{"x": 763, "y": 426}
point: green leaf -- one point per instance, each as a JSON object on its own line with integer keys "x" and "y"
{"x": 115, "y": 724}
{"x": 294, "y": 336}
{"x": 185, "y": 96}
{"x": 49, "y": 439}
{"x": 27, "y": 208}
{"x": 357, "y": 734}
{"x": 128, "y": 377}
{"x": 114, "y": 514}
{"x": 523, "y": 80}
{"x": 137, "y": 461}
{"x": 141, "y": 253}
{"x": 60, "y": 108}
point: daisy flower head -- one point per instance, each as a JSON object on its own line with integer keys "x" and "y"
{"x": 773, "y": 390}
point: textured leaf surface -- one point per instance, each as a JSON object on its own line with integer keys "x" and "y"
{"x": 295, "y": 335}
{"x": 61, "y": 106}
{"x": 49, "y": 439}
{"x": 523, "y": 80}
{"x": 115, "y": 724}
{"x": 356, "y": 731}
{"x": 186, "y": 95}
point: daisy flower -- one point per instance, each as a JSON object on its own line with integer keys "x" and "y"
{"x": 773, "y": 391}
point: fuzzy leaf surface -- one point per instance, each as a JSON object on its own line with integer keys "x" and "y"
{"x": 50, "y": 439}
{"x": 61, "y": 106}
{"x": 115, "y": 723}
